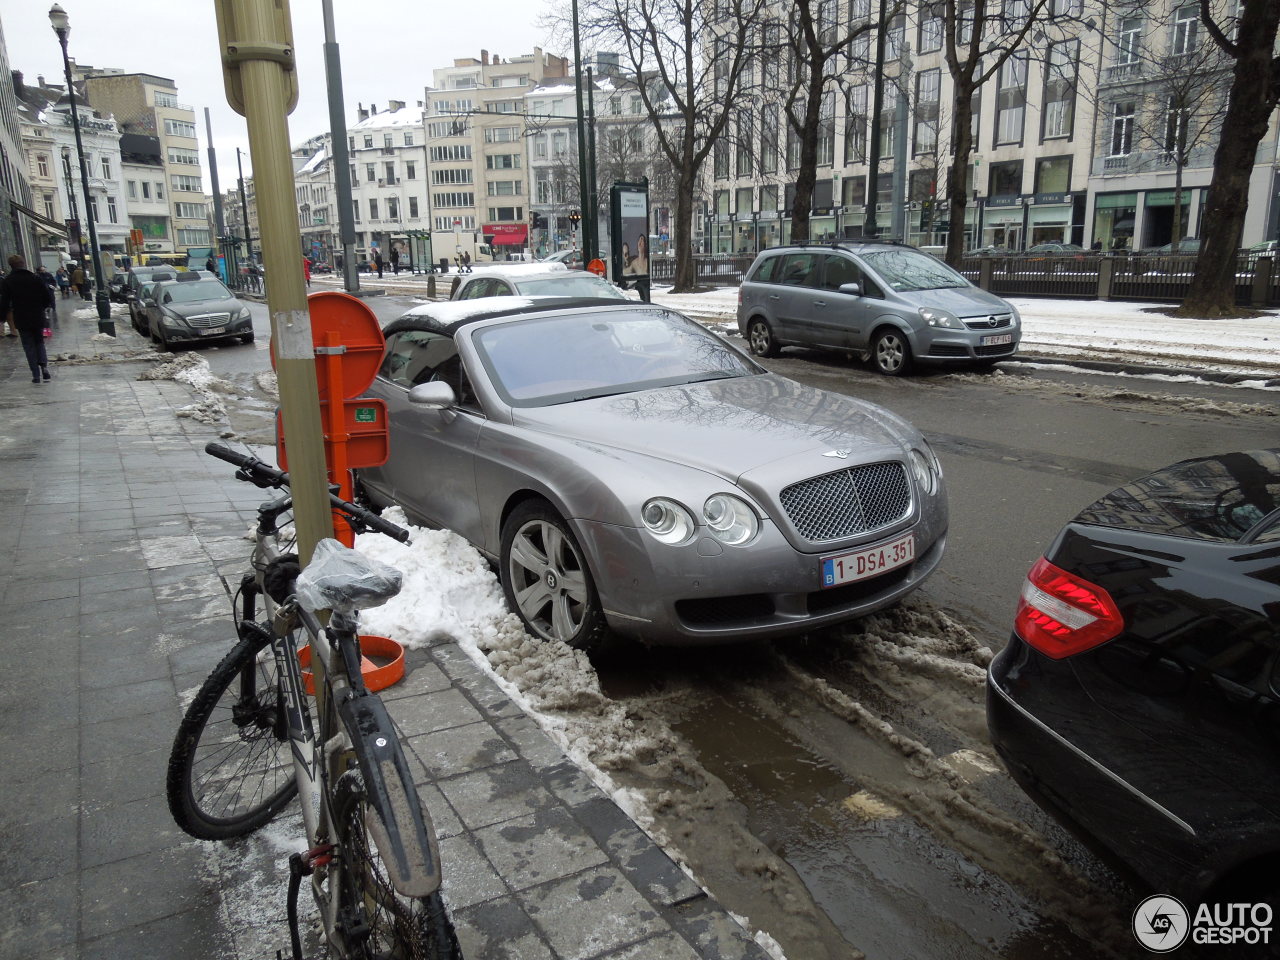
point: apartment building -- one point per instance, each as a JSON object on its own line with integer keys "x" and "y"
{"x": 389, "y": 188}
{"x": 476, "y": 126}
{"x": 1162, "y": 93}
{"x": 1032, "y": 128}
{"x": 316, "y": 199}
{"x": 625, "y": 150}
{"x": 145, "y": 104}
{"x": 18, "y": 224}
{"x": 53, "y": 162}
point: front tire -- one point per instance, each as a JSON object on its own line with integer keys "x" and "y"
{"x": 231, "y": 769}
{"x": 382, "y": 922}
{"x": 890, "y": 353}
{"x": 760, "y": 338}
{"x": 546, "y": 580}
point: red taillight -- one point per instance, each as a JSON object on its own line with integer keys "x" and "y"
{"x": 1061, "y": 614}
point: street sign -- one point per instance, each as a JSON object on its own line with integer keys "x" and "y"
{"x": 362, "y": 434}
{"x": 597, "y": 267}
{"x": 342, "y": 322}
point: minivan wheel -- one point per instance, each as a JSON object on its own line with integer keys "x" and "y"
{"x": 760, "y": 338}
{"x": 891, "y": 353}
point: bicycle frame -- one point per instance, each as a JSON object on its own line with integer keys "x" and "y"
{"x": 354, "y": 729}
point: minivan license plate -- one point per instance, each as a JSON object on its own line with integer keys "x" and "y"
{"x": 868, "y": 562}
{"x": 996, "y": 339}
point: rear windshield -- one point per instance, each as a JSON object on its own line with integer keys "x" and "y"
{"x": 1221, "y": 498}
{"x": 569, "y": 287}
{"x": 904, "y": 269}
{"x": 197, "y": 290}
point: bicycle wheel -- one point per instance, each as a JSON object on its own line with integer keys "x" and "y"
{"x": 404, "y": 928}
{"x": 231, "y": 769}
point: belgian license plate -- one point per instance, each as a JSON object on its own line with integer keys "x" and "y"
{"x": 996, "y": 339}
{"x": 213, "y": 331}
{"x": 868, "y": 562}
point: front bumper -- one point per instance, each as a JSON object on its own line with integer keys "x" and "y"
{"x": 178, "y": 331}
{"x": 941, "y": 345}
{"x": 704, "y": 593}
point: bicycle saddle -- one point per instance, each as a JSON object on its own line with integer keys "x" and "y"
{"x": 343, "y": 580}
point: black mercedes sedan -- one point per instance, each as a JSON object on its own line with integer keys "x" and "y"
{"x": 1138, "y": 701}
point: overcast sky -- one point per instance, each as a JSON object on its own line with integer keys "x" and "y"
{"x": 388, "y": 52}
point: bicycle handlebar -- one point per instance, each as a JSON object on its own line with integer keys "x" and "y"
{"x": 260, "y": 474}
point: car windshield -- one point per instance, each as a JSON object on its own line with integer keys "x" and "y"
{"x": 905, "y": 269}
{"x": 197, "y": 290}
{"x": 569, "y": 287}
{"x": 581, "y": 356}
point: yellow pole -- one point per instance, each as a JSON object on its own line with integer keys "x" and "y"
{"x": 257, "y": 54}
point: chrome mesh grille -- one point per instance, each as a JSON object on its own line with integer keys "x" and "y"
{"x": 202, "y": 320}
{"x": 848, "y": 502}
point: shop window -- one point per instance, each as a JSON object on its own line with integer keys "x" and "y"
{"x": 1006, "y": 179}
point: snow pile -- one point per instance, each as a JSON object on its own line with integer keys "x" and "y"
{"x": 193, "y": 370}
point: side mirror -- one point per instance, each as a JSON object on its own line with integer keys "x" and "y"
{"x": 852, "y": 289}
{"x": 435, "y": 395}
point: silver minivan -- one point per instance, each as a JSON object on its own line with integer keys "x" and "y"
{"x": 885, "y": 300}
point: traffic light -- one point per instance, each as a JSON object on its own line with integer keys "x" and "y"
{"x": 538, "y": 221}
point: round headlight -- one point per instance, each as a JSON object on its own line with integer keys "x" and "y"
{"x": 730, "y": 519}
{"x": 923, "y": 470}
{"x": 667, "y": 521}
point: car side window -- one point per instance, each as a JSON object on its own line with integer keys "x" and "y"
{"x": 414, "y": 355}
{"x": 476, "y": 289}
{"x": 500, "y": 288}
{"x": 800, "y": 270}
{"x": 870, "y": 286}
{"x": 839, "y": 270}
{"x": 767, "y": 272}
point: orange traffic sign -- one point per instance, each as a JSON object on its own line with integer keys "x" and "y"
{"x": 343, "y": 326}
{"x": 363, "y": 430}
{"x": 597, "y": 267}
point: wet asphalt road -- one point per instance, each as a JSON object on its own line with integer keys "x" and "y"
{"x": 914, "y": 876}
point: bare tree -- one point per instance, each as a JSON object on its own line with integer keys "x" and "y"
{"x": 1248, "y": 40}
{"x": 810, "y": 40}
{"x": 981, "y": 39}
{"x": 689, "y": 59}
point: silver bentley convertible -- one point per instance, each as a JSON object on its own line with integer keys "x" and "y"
{"x": 629, "y": 470}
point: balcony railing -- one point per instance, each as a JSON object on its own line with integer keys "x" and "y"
{"x": 1122, "y": 72}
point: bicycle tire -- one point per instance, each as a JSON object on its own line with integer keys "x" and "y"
{"x": 223, "y": 740}
{"x": 406, "y": 928}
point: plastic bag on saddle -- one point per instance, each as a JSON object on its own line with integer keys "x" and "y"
{"x": 343, "y": 580}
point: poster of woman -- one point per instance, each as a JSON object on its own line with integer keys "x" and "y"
{"x": 630, "y": 230}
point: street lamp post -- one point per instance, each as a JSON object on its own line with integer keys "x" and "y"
{"x": 62, "y": 27}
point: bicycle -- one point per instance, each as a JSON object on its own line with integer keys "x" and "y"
{"x": 251, "y": 741}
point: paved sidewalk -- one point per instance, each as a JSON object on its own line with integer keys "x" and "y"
{"x": 119, "y": 533}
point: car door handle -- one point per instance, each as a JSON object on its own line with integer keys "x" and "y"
{"x": 819, "y": 303}
{"x": 774, "y": 296}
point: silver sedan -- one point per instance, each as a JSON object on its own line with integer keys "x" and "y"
{"x": 628, "y": 470}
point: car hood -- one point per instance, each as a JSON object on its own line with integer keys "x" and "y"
{"x": 962, "y": 301}
{"x": 1210, "y": 498}
{"x": 200, "y": 307}
{"x": 730, "y": 427}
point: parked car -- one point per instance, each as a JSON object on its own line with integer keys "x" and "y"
{"x": 570, "y": 258}
{"x": 533, "y": 280}
{"x": 1189, "y": 246}
{"x": 118, "y": 288}
{"x": 192, "y": 309}
{"x": 1138, "y": 698}
{"x": 138, "y": 278}
{"x": 1058, "y": 249}
{"x": 991, "y": 250}
{"x": 627, "y": 469}
{"x": 885, "y": 300}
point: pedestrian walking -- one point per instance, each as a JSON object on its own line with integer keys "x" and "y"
{"x": 211, "y": 266}
{"x": 466, "y": 261}
{"x": 306, "y": 271}
{"x": 395, "y": 261}
{"x": 64, "y": 282}
{"x": 80, "y": 280}
{"x": 377, "y": 262}
{"x": 23, "y": 300}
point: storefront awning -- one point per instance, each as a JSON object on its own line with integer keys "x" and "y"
{"x": 507, "y": 234}
{"x": 53, "y": 226}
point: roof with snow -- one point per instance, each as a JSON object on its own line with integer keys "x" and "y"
{"x": 404, "y": 117}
